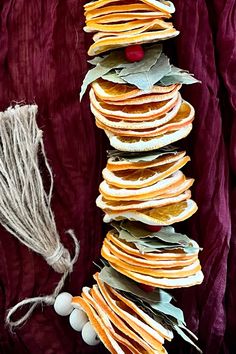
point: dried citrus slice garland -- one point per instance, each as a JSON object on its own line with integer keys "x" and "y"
{"x": 135, "y": 99}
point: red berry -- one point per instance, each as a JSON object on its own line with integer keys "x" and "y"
{"x": 147, "y": 288}
{"x": 153, "y": 228}
{"x": 134, "y": 53}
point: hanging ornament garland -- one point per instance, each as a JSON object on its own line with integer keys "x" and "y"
{"x": 135, "y": 98}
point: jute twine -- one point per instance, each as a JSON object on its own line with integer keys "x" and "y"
{"x": 25, "y": 207}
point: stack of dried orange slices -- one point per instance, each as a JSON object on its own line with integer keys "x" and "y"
{"x": 146, "y": 187}
{"x": 164, "y": 259}
{"x": 135, "y": 99}
{"x": 120, "y": 23}
{"x": 128, "y": 319}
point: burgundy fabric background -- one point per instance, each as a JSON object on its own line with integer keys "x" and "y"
{"x": 43, "y": 60}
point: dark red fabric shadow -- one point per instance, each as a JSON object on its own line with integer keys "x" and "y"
{"x": 43, "y": 60}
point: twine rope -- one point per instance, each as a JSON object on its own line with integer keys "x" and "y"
{"x": 25, "y": 207}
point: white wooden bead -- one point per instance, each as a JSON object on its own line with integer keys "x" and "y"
{"x": 77, "y": 319}
{"x": 62, "y": 304}
{"x": 89, "y": 335}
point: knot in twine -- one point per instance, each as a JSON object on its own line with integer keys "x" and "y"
{"x": 61, "y": 261}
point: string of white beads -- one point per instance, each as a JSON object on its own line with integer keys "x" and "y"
{"x": 78, "y": 319}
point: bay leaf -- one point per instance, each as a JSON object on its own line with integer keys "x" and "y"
{"x": 120, "y": 282}
{"x": 170, "y": 310}
{"x": 102, "y": 67}
{"x": 177, "y": 75}
{"x": 113, "y": 77}
{"x": 185, "y": 337}
{"x": 140, "y": 157}
{"x": 152, "y": 54}
{"x": 145, "y": 80}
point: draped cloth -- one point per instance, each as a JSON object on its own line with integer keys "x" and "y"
{"x": 43, "y": 61}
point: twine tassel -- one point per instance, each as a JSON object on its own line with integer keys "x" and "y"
{"x": 25, "y": 209}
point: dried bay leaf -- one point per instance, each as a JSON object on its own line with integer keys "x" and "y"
{"x": 120, "y": 282}
{"x": 145, "y": 80}
{"x": 151, "y": 56}
{"x": 177, "y": 75}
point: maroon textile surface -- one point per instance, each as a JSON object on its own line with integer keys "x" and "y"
{"x": 43, "y": 60}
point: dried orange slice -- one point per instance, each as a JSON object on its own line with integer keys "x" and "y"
{"x": 148, "y": 27}
{"x": 95, "y": 321}
{"x": 116, "y": 206}
{"x": 120, "y": 16}
{"x": 119, "y": 28}
{"x": 165, "y": 283}
{"x": 87, "y": 294}
{"x": 118, "y": 322}
{"x": 143, "y": 161}
{"x": 109, "y": 91}
{"x": 112, "y": 42}
{"x": 165, "y": 215}
{"x": 158, "y": 188}
{"x": 163, "y": 102}
{"x": 139, "y": 178}
{"x": 163, "y": 331}
{"x": 123, "y": 248}
{"x": 109, "y": 249}
{"x": 138, "y": 144}
{"x": 165, "y": 6}
{"x": 140, "y": 113}
{"x": 146, "y": 332}
{"x": 139, "y": 124}
{"x": 175, "y": 272}
{"x": 124, "y": 9}
{"x": 183, "y": 117}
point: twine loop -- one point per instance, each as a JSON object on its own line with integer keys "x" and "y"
{"x": 47, "y": 299}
